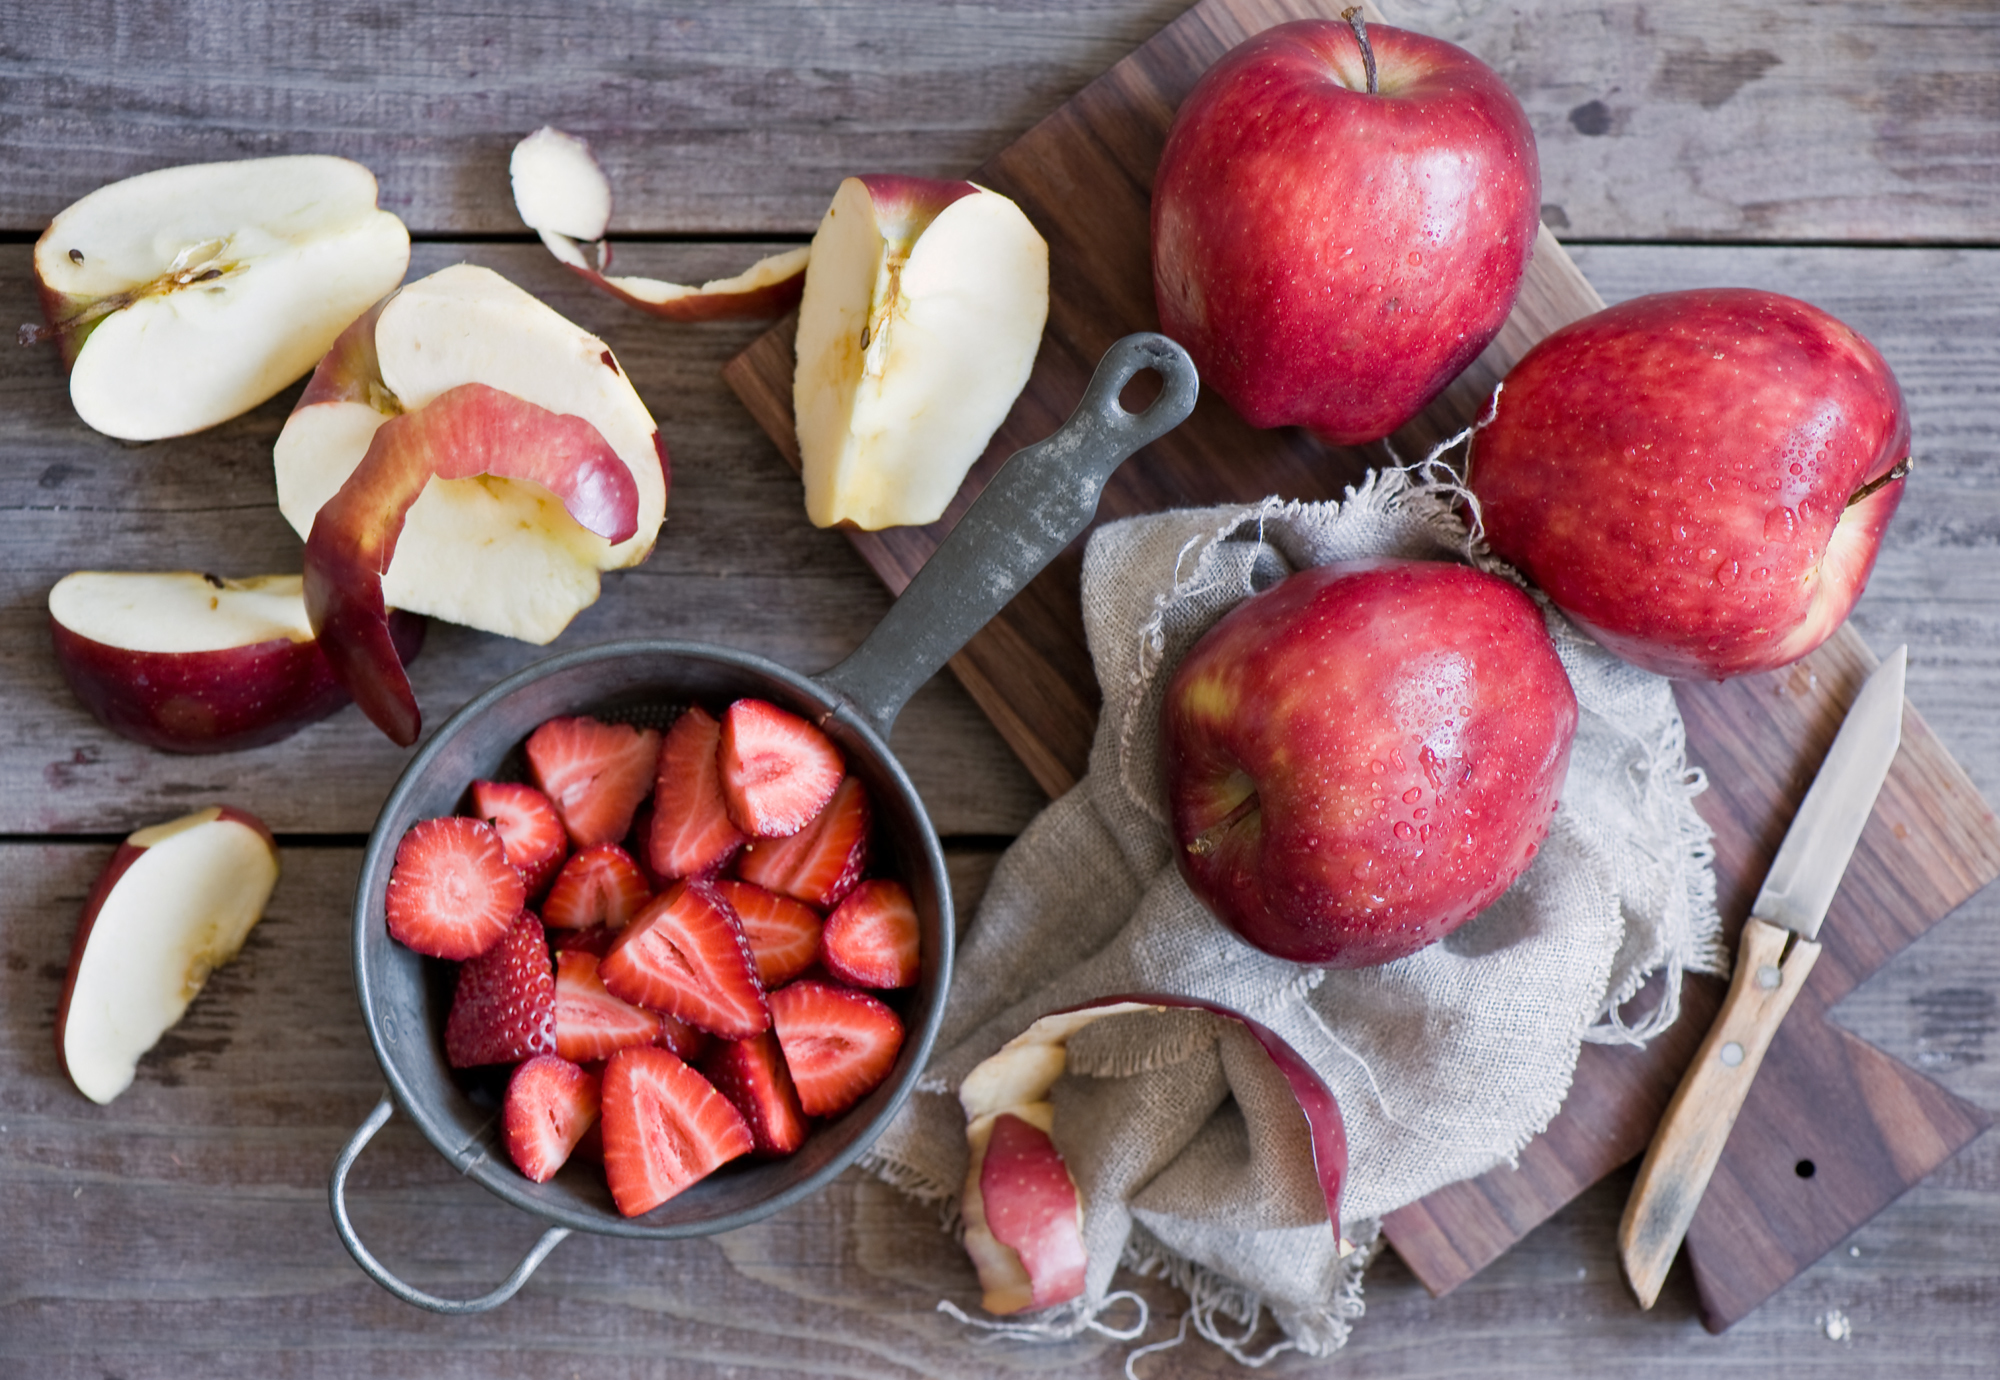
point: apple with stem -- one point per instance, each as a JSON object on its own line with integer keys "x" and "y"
{"x": 1365, "y": 755}
{"x": 1701, "y": 480}
{"x": 183, "y": 297}
{"x": 1341, "y": 220}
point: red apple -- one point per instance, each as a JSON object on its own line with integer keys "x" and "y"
{"x": 1333, "y": 254}
{"x": 186, "y": 662}
{"x": 1364, "y": 756}
{"x": 1700, "y": 479}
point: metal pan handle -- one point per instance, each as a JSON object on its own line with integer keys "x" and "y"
{"x": 1034, "y": 507}
{"x": 380, "y": 1273}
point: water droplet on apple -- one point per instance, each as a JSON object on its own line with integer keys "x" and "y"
{"x": 1728, "y": 573}
{"x": 1397, "y": 758}
{"x": 1796, "y": 468}
{"x": 1413, "y": 795}
{"x": 1377, "y": 768}
{"x": 1433, "y": 766}
{"x": 1419, "y": 813}
{"x": 1405, "y": 830}
{"x": 1424, "y": 834}
{"x": 1779, "y": 524}
{"x": 1381, "y": 804}
{"x": 1762, "y": 572}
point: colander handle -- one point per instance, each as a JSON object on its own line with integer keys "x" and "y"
{"x": 380, "y": 1273}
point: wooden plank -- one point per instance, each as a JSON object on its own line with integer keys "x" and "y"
{"x": 736, "y": 564}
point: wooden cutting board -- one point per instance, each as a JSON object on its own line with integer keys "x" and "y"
{"x": 1833, "y": 1130}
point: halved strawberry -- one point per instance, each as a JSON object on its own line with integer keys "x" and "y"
{"x": 822, "y": 862}
{"x": 871, "y": 939}
{"x": 839, "y": 1043}
{"x": 528, "y": 827}
{"x": 783, "y": 934}
{"x": 778, "y": 771}
{"x": 590, "y": 1022}
{"x": 690, "y": 1042}
{"x": 595, "y": 773}
{"x": 452, "y": 893}
{"x": 685, "y": 955}
{"x": 752, "y": 1075}
{"x": 665, "y": 1127}
{"x": 504, "y": 1007}
{"x": 599, "y": 885}
{"x": 690, "y": 831}
{"x": 550, "y": 1104}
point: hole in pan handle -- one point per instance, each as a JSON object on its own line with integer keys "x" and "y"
{"x": 380, "y": 1273}
{"x": 1035, "y": 505}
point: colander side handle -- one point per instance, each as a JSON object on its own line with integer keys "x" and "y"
{"x": 380, "y": 1273}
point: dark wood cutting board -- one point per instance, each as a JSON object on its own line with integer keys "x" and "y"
{"x": 1833, "y": 1130}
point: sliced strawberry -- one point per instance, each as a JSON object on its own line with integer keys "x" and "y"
{"x": 752, "y": 1075}
{"x": 504, "y": 1007}
{"x": 821, "y": 863}
{"x": 685, "y": 955}
{"x": 595, "y": 941}
{"x": 691, "y": 832}
{"x": 783, "y": 934}
{"x": 688, "y": 1041}
{"x": 452, "y": 893}
{"x": 871, "y": 939}
{"x": 590, "y": 1022}
{"x": 595, "y": 773}
{"x": 665, "y": 1127}
{"x": 839, "y": 1043}
{"x": 778, "y": 771}
{"x": 550, "y": 1104}
{"x": 528, "y": 827}
{"x": 600, "y": 885}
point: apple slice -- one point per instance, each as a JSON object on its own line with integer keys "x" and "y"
{"x": 176, "y": 902}
{"x": 186, "y": 662}
{"x": 564, "y": 196}
{"x": 1023, "y": 1215}
{"x": 183, "y": 297}
{"x": 924, "y": 306}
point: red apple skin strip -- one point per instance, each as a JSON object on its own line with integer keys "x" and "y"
{"x": 768, "y": 288}
{"x": 466, "y": 431}
{"x": 1039, "y": 1213}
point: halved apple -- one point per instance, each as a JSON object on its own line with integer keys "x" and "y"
{"x": 548, "y": 469}
{"x": 176, "y": 902}
{"x": 187, "y": 662}
{"x": 563, "y": 196}
{"x": 183, "y": 297}
{"x": 923, "y": 309}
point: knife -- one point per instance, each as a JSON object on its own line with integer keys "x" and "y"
{"x": 1776, "y": 952}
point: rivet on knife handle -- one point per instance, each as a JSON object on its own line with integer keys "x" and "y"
{"x": 1696, "y": 1125}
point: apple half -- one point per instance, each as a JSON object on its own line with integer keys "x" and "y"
{"x": 1023, "y": 1215}
{"x": 923, "y": 309}
{"x": 176, "y": 902}
{"x": 184, "y": 297}
{"x": 563, "y": 196}
{"x": 463, "y": 451}
{"x": 187, "y": 662}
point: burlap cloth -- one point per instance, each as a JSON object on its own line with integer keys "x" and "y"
{"x": 1189, "y": 1153}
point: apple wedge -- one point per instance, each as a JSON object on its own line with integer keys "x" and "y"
{"x": 187, "y": 662}
{"x": 464, "y": 452}
{"x": 923, "y": 309}
{"x": 563, "y": 196}
{"x": 1023, "y": 1215}
{"x": 184, "y": 297}
{"x": 176, "y": 902}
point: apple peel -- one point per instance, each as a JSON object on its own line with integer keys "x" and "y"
{"x": 563, "y": 195}
{"x": 1023, "y": 1215}
{"x": 467, "y": 431}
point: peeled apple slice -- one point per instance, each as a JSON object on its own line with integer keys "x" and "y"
{"x": 1023, "y": 1215}
{"x": 564, "y": 196}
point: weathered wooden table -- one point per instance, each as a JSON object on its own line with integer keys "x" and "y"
{"x": 1845, "y": 153}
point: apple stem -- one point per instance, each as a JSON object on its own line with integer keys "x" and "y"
{"x": 1901, "y": 469}
{"x": 1202, "y": 844}
{"x": 1359, "y": 24}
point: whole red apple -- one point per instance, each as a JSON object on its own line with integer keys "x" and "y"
{"x": 1364, "y": 756}
{"x": 1333, "y": 251}
{"x": 1700, "y": 479}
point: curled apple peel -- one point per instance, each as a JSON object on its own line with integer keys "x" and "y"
{"x": 1022, "y": 1212}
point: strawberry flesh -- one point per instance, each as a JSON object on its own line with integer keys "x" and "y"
{"x": 778, "y": 771}
{"x": 752, "y": 1075}
{"x": 590, "y": 1022}
{"x": 665, "y": 1127}
{"x": 783, "y": 934}
{"x": 600, "y": 885}
{"x": 596, "y": 774}
{"x": 690, "y": 1042}
{"x": 839, "y": 1043}
{"x": 452, "y": 893}
{"x": 822, "y": 862}
{"x": 529, "y": 830}
{"x": 504, "y": 1007}
{"x": 550, "y": 1104}
{"x": 685, "y": 955}
{"x": 690, "y": 832}
{"x": 872, "y": 939}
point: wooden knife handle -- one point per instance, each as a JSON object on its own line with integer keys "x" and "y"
{"x": 1696, "y": 1125}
